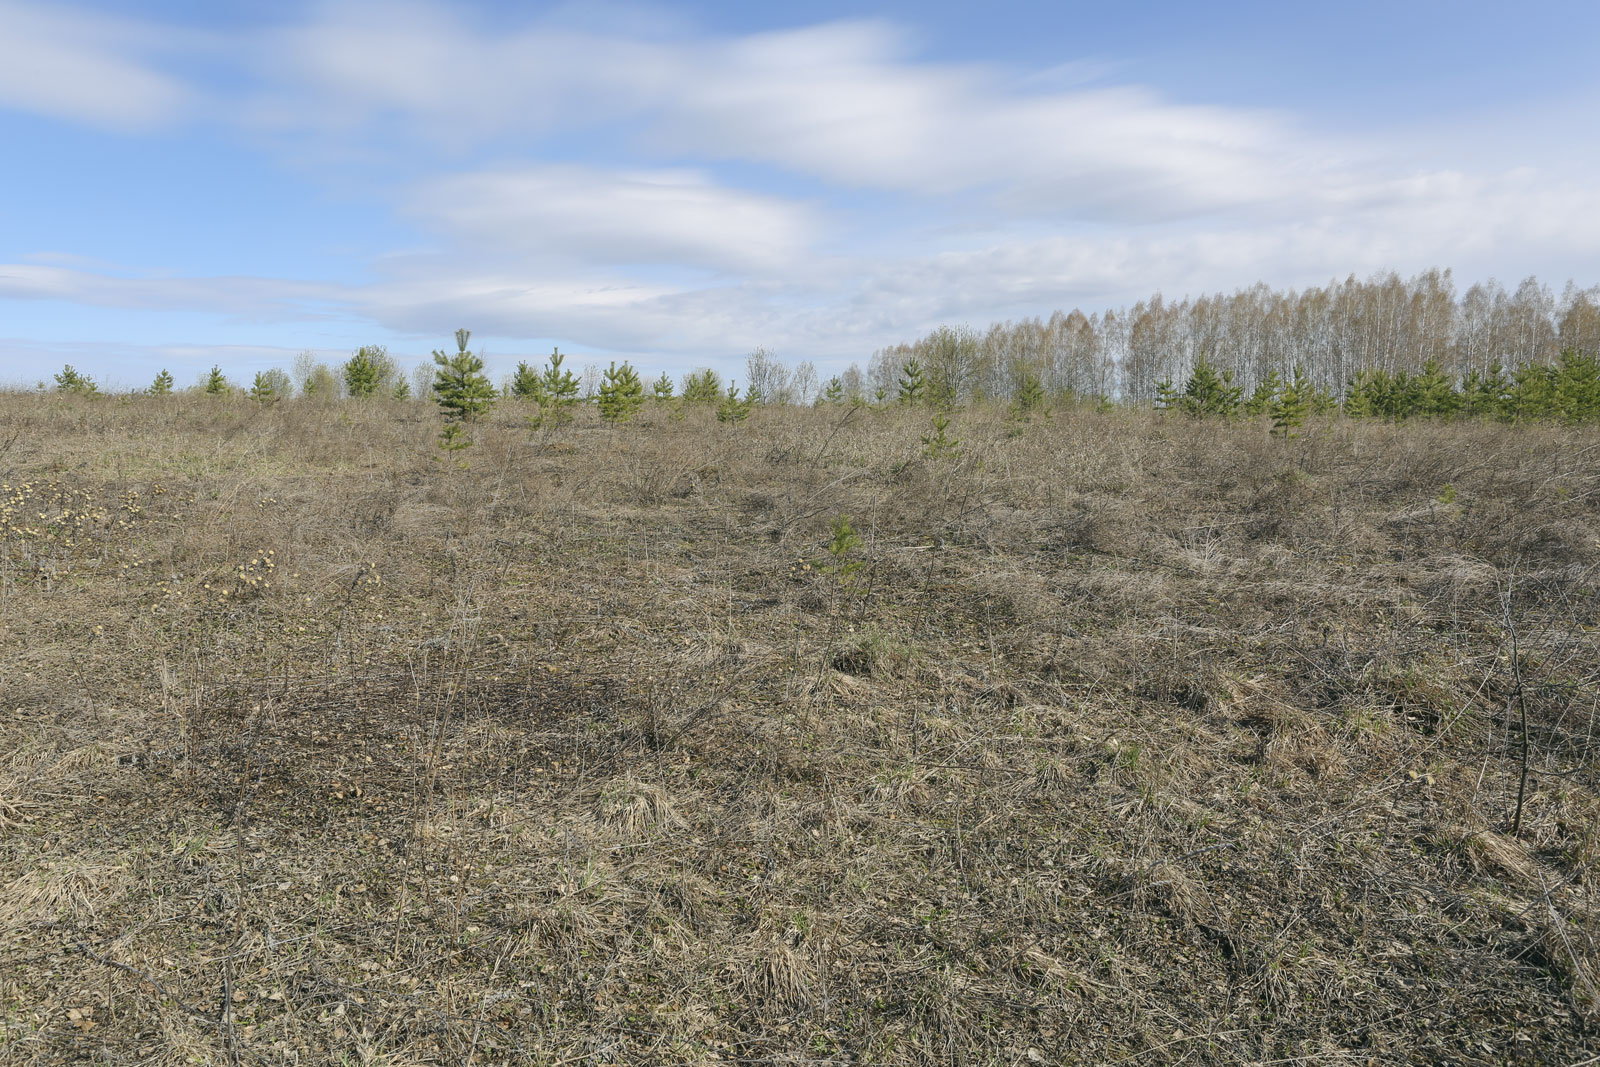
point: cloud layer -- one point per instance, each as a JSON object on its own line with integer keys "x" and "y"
{"x": 820, "y": 190}
{"x": 842, "y": 103}
{"x": 590, "y": 216}
{"x": 69, "y": 64}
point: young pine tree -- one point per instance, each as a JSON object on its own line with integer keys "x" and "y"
{"x": 556, "y": 394}
{"x": 1367, "y": 395}
{"x": 262, "y": 390}
{"x": 402, "y": 389}
{"x": 842, "y": 549}
{"x": 1210, "y": 393}
{"x": 527, "y": 384}
{"x": 1322, "y": 401}
{"x": 913, "y": 384}
{"x": 1577, "y": 387}
{"x": 942, "y": 391}
{"x": 939, "y": 444}
{"x": 71, "y": 381}
{"x": 833, "y": 393}
{"x": 1404, "y": 396}
{"x": 1531, "y": 395}
{"x": 1266, "y": 391}
{"x": 1484, "y": 394}
{"x": 162, "y": 386}
{"x": 1290, "y": 407}
{"x": 1167, "y": 396}
{"x": 1359, "y": 399}
{"x": 1029, "y": 398}
{"x": 621, "y": 393}
{"x": 216, "y": 384}
{"x": 364, "y": 371}
{"x": 661, "y": 389}
{"x": 1436, "y": 392}
{"x": 731, "y": 408}
{"x": 702, "y": 387}
{"x": 461, "y": 389}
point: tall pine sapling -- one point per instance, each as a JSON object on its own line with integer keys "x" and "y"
{"x": 1368, "y": 395}
{"x": 461, "y": 389}
{"x": 162, "y": 386}
{"x": 621, "y": 393}
{"x": 1484, "y": 393}
{"x": 942, "y": 390}
{"x": 1265, "y": 392}
{"x": 1404, "y": 398}
{"x": 1209, "y": 392}
{"x": 1029, "y": 398}
{"x": 661, "y": 389}
{"x": 526, "y": 383}
{"x": 1290, "y": 406}
{"x": 1531, "y": 395}
{"x": 702, "y": 387}
{"x": 364, "y": 372}
{"x": 1167, "y": 396}
{"x": 1435, "y": 391}
{"x": 1576, "y": 395}
{"x": 216, "y": 384}
{"x": 913, "y": 384}
{"x": 556, "y": 393}
{"x": 731, "y": 408}
{"x": 262, "y": 390}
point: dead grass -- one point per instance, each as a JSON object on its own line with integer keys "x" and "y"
{"x": 1131, "y": 740}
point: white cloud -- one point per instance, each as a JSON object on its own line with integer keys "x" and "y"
{"x": 71, "y": 64}
{"x": 1510, "y": 224}
{"x": 841, "y": 102}
{"x": 242, "y": 297}
{"x": 590, "y": 216}
{"x": 359, "y": 63}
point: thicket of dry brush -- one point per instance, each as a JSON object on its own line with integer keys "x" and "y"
{"x": 1131, "y": 739}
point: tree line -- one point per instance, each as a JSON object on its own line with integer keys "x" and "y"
{"x": 1385, "y": 347}
{"x": 1330, "y": 335}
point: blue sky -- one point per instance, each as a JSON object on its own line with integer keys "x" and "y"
{"x": 189, "y": 183}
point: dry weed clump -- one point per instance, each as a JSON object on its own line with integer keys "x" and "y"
{"x": 1123, "y": 739}
{"x": 74, "y": 889}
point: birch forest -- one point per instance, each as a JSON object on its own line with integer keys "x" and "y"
{"x": 1329, "y": 334}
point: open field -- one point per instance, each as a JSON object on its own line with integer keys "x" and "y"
{"x": 1126, "y": 739}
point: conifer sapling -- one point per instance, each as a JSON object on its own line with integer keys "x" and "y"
{"x": 621, "y": 393}
{"x": 461, "y": 389}
{"x": 71, "y": 381}
{"x": 913, "y": 386}
{"x": 262, "y": 390}
{"x": 732, "y": 408}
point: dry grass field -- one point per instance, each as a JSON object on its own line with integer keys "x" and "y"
{"x": 1124, "y": 740}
